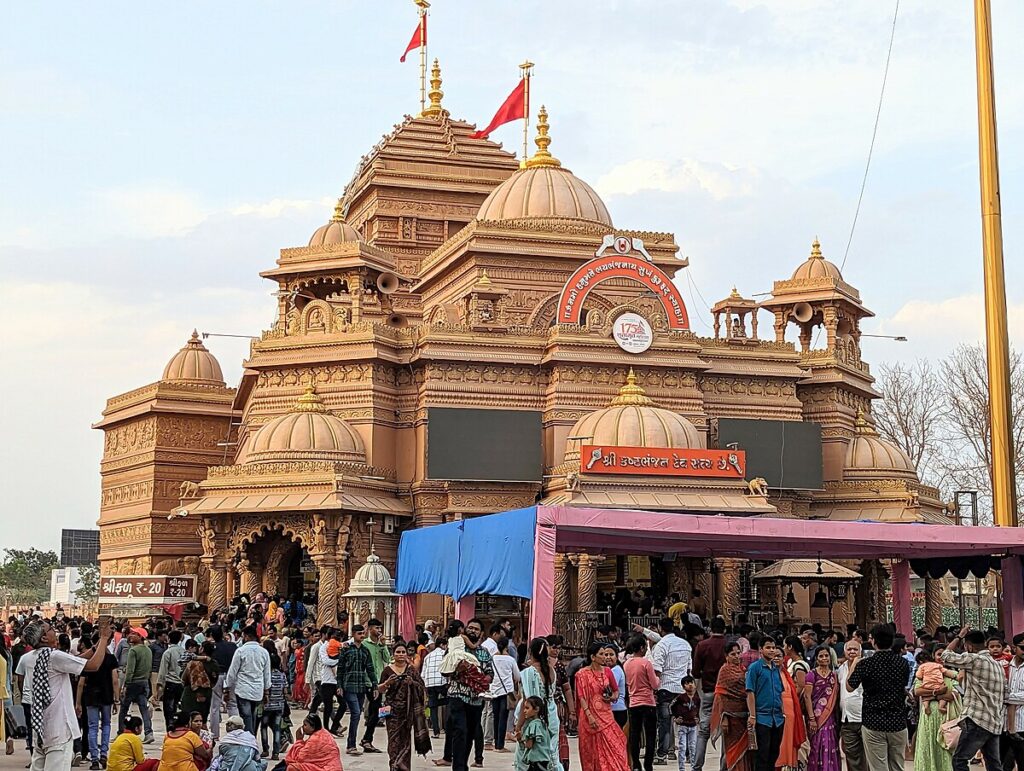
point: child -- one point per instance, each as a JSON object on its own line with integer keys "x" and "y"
{"x": 932, "y": 676}
{"x": 685, "y": 710}
{"x": 534, "y": 750}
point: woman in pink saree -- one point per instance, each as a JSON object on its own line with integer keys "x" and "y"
{"x": 602, "y": 743}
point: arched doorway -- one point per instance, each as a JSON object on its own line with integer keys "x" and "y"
{"x": 275, "y": 561}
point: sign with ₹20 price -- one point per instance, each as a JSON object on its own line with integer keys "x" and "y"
{"x": 663, "y": 461}
{"x": 151, "y": 590}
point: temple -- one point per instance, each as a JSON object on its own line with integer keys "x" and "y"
{"x": 454, "y": 283}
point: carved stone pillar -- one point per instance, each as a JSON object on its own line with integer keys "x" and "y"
{"x": 702, "y": 580}
{"x": 217, "y": 595}
{"x": 780, "y": 326}
{"x": 727, "y": 587}
{"x": 932, "y": 604}
{"x": 561, "y": 584}
{"x": 327, "y": 590}
{"x": 587, "y": 581}
{"x": 246, "y": 577}
{"x": 256, "y": 566}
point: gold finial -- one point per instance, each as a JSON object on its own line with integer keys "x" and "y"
{"x": 816, "y": 250}
{"x": 543, "y": 156}
{"x": 735, "y": 295}
{"x": 485, "y": 280}
{"x": 422, "y": 4}
{"x": 435, "y": 93}
{"x": 632, "y": 394}
{"x": 862, "y": 425}
{"x": 309, "y": 401}
{"x": 339, "y": 212}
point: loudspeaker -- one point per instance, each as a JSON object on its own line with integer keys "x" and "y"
{"x": 803, "y": 312}
{"x": 387, "y": 283}
{"x": 398, "y": 320}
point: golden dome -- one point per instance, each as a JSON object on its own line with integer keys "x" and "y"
{"x": 193, "y": 364}
{"x": 816, "y": 266}
{"x": 544, "y": 189}
{"x": 632, "y": 420}
{"x": 868, "y": 456}
{"x": 308, "y": 432}
{"x": 337, "y": 231}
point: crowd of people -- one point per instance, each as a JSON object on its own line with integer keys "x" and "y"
{"x": 636, "y": 697}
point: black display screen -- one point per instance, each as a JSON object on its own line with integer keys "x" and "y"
{"x": 484, "y": 445}
{"x": 787, "y": 453}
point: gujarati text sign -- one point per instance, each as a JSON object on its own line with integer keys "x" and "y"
{"x": 663, "y": 461}
{"x": 153, "y": 590}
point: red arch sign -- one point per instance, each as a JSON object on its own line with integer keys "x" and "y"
{"x": 600, "y": 269}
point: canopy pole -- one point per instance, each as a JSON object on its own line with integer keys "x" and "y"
{"x": 901, "y": 615}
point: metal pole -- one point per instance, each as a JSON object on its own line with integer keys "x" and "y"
{"x": 1004, "y": 494}
{"x": 527, "y": 71}
{"x": 423, "y": 6}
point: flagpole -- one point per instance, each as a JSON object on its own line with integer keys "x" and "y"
{"x": 1004, "y": 505}
{"x": 423, "y": 6}
{"x": 526, "y": 71}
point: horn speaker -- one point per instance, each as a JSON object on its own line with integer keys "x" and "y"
{"x": 803, "y": 312}
{"x": 398, "y": 320}
{"x": 387, "y": 283}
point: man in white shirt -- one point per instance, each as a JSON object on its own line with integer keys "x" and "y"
{"x": 248, "y": 678}
{"x": 850, "y": 704}
{"x": 490, "y": 644}
{"x": 672, "y": 658}
{"x": 435, "y": 684}
{"x": 1013, "y": 737}
{"x": 313, "y": 669}
{"x": 53, "y": 718}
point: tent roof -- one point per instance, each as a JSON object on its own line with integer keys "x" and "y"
{"x": 805, "y": 570}
{"x": 616, "y": 531}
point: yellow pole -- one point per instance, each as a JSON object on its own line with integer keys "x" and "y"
{"x": 423, "y": 6}
{"x": 1004, "y": 504}
{"x": 526, "y": 69}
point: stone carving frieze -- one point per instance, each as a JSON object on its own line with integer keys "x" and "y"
{"x": 247, "y": 528}
{"x": 191, "y": 432}
{"x": 136, "y": 436}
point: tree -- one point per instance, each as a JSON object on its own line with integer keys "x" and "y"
{"x": 89, "y": 578}
{"x": 939, "y": 417}
{"x": 25, "y": 574}
{"x": 910, "y": 415}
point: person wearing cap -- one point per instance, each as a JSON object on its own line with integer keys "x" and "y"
{"x": 137, "y": 667}
{"x": 238, "y": 749}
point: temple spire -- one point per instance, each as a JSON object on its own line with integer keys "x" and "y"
{"x": 543, "y": 156}
{"x": 435, "y": 93}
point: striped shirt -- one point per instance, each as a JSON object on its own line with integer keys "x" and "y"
{"x": 984, "y": 690}
{"x": 275, "y": 698}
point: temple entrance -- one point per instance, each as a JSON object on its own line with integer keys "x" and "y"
{"x": 275, "y": 562}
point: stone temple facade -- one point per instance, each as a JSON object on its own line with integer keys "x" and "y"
{"x": 435, "y": 284}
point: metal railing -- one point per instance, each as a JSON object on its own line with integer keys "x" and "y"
{"x": 577, "y": 628}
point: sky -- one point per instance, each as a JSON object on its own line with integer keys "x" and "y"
{"x": 156, "y": 157}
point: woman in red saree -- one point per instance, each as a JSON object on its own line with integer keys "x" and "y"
{"x": 314, "y": 748}
{"x": 300, "y": 693}
{"x": 729, "y": 712}
{"x": 602, "y": 743}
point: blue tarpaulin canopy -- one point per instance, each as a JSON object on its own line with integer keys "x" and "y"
{"x": 493, "y": 554}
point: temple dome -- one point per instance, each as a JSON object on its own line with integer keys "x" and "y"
{"x": 868, "y": 456}
{"x": 337, "y": 231}
{"x": 193, "y": 364}
{"x": 308, "y": 432}
{"x": 633, "y": 420}
{"x": 371, "y": 579}
{"x": 544, "y": 189}
{"x": 816, "y": 266}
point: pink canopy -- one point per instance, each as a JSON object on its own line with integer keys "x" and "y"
{"x": 613, "y": 531}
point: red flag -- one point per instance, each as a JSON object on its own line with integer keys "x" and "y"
{"x": 419, "y": 38}
{"x": 511, "y": 109}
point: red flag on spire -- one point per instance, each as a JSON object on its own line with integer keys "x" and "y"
{"x": 419, "y": 38}
{"x": 511, "y": 109}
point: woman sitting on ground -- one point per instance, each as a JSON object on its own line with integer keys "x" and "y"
{"x": 314, "y": 749}
{"x": 184, "y": 749}
{"x": 126, "y": 753}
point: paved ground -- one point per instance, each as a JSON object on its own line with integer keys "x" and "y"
{"x": 492, "y": 760}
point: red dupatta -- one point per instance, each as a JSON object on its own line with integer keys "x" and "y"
{"x": 799, "y": 727}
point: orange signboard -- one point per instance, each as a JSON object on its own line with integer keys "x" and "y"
{"x": 663, "y": 461}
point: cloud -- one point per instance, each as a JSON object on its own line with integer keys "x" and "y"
{"x": 934, "y": 327}
{"x": 149, "y": 212}
{"x": 718, "y": 180}
{"x": 280, "y": 206}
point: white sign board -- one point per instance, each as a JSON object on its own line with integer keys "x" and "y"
{"x": 633, "y": 333}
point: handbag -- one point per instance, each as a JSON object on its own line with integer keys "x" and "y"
{"x": 949, "y": 734}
